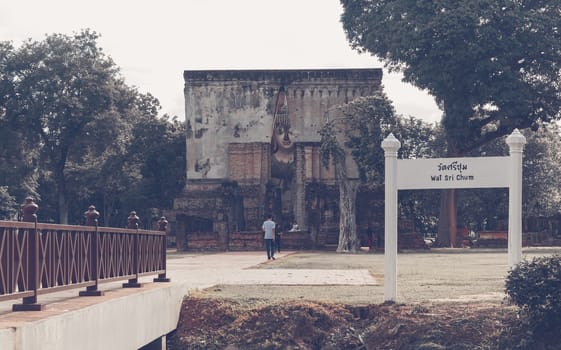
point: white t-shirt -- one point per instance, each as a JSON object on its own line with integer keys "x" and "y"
{"x": 268, "y": 227}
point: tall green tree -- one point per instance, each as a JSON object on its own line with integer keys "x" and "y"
{"x": 152, "y": 170}
{"x": 333, "y": 153}
{"x": 492, "y": 65}
{"x": 159, "y": 148}
{"x": 102, "y": 170}
{"x": 7, "y": 204}
{"x": 18, "y": 173}
{"x": 541, "y": 169}
{"x": 540, "y": 185}
{"x": 62, "y": 86}
{"x": 351, "y": 142}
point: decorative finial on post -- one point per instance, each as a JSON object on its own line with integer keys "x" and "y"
{"x": 516, "y": 141}
{"x": 133, "y": 220}
{"x": 162, "y": 224}
{"x": 29, "y": 210}
{"x": 91, "y": 216}
{"x": 391, "y": 144}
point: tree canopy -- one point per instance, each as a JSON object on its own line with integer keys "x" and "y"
{"x": 352, "y": 137}
{"x": 488, "y": 208}
{"x": 541, "y": 169}
{"x": 492, "y": 65}
{"x": 76, "y": 134}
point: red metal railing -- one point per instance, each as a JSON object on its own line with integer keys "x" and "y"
{"x": 38, "y": 258}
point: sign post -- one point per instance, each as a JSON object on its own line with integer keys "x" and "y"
{"x": 438, "y": 173}
{"x": 390, "y": 146}
{"x": 515, "y": 142}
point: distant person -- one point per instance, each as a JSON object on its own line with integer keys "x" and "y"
{"x": 278, "y": 233}
{"x": 269, "y": 230}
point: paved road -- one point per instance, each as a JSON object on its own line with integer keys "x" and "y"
{"x": 202, "y": 271}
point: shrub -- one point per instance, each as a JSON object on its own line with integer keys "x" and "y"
{"x": 535, "y": 287}
{"x": 7, "y": 204}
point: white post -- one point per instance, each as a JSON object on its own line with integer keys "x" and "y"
{"x": 515, "y": 142}
{"x": 390, "y": 146}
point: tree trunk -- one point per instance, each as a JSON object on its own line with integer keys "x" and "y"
{"x": 60, "y": 180}
{"x": 108, "y": 206}
{"x": 314, "y": 221}
{"x": 348, "y": 240}
{"x": 62, "y": 207}
{"x": 447, "y": 223}
{"x": 61, "y": 197}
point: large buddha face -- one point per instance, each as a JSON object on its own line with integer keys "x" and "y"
{"x": 282, "y": 136}
{"x": 283, "y": 146}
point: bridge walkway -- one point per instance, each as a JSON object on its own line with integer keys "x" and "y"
{"x": 130, "y": 318}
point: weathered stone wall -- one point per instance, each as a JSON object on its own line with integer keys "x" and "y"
{"x": 249, "y": 162}
{"x": 223, "y": 107}
{"x": 232, "y": 181}
{"x": 247, "y": 241}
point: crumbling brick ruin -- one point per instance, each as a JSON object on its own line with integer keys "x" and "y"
{"x": 253, "y": 148}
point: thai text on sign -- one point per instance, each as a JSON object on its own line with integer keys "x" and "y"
{"x": 481, "y": 172}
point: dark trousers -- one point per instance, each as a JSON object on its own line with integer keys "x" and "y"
{"x": 270, "y": 246}
{"x": 277, "y": 242}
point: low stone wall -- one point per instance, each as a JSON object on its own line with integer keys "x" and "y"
{"x": 411, "y": 240}
{"x": 296, "y": 240}
{"x": 245, "y": 241}
{"x": 290, "y": 240}
{"x": 301, "y": 240}
{"x": 543, "y": 238}
{"x": 242, "y": 241}
{"x": 204, "y": 241}
{"x": 492, "y": 239}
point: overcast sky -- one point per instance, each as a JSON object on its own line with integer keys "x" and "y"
{"x": 153, "y": 42}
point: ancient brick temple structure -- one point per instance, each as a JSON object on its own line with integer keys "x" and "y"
{"x": 253, "y": 148}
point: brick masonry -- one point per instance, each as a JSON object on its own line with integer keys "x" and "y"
{"x": 231, "y": 181}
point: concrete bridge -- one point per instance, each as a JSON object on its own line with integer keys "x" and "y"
{"x": 134, "y": 318}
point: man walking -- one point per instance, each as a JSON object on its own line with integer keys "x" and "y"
{"x": 269, "y": 230}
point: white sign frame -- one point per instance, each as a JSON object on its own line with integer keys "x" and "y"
{"x": 440, "y": 173}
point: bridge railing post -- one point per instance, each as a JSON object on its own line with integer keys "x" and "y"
{"x": 162, "y": 226}
{"x": 93, "y": 290}
{"x": 133, "y": 223}
{"x": 44, "y": 258}
{"x": 29, "y": 210}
